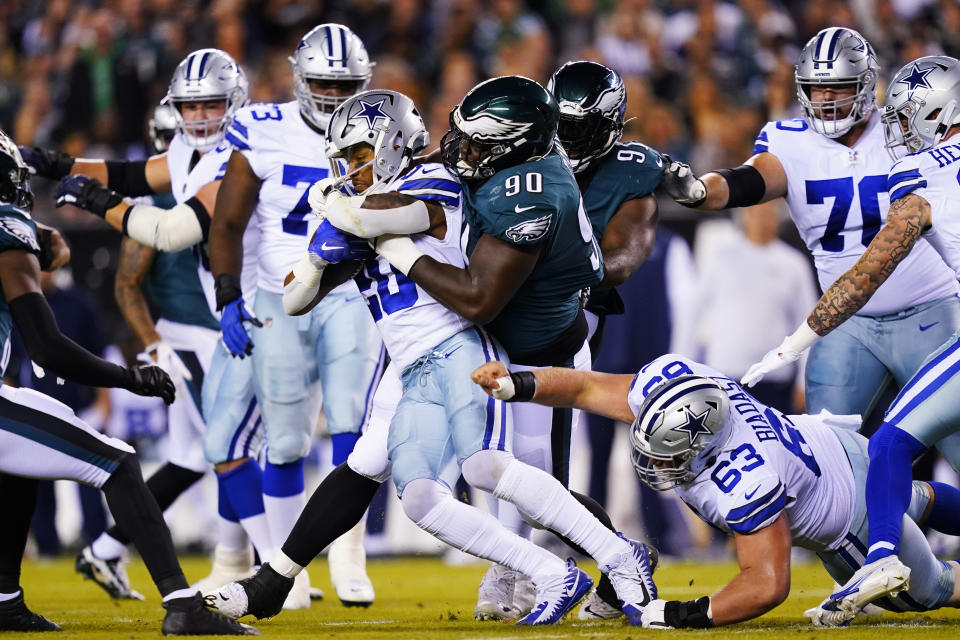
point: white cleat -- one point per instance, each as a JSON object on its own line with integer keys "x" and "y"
{"x": 299, "y": 596}
{"x": 495, "y": 595}
{"x": 109, "y": 575}
{"x": 348, "y": 568}
{"x": 229, "y": 599}
{"x": 884, "y": 577}
{"x": 594, "y": 608}
{"x": 632, "y": 578}
{"x": 229, "y": 565}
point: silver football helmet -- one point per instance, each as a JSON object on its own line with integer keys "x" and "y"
{"x": 837, "y": 56}
{"x": 334, "y": 54}
{"x": 14, "y": 175}
{"x": 678, "y": 419}
{"x": 207, "y": 74}
{"x": 387, "y": 121}
{"x": 163, "y": 126}
{"x": 923, "y": 102}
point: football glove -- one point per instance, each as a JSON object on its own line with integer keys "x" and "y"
{"x": 789, "y": 351}
{"x": 151, "y": 380}
{"x": 680, "y": 184}
{"x": 87, "y": 193}
{"x": 165, "y": 357}
{"x": 235, "y": 336}
{"x": 654, "y": 615}
{"x": 47, "y": 163}
{"x": 331, "y": 245}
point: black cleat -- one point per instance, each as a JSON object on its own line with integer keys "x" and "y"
{"x": 14, "y": 616}
{"x": 189, "y": 617}
{"x": 261, "y": 595}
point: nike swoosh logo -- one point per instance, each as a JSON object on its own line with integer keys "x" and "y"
{"x": 925, "y": 327}
{"x": 751, "y": 494}
{"x": 327, "y": 247}
{"x": 223, "y": 597}
{"x": 426, "y": 171}
{"x": 519, "y": 209}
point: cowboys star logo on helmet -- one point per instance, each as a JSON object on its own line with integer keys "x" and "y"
{"x": 530, "y": 229}
{"x": 694, "y": 426}
{"x": 487, "y": 126}
{"x": 371, "y": 111}
{"x": 917, "y": 78}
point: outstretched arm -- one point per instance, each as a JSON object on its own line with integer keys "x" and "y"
{"x": 759, "y": 179}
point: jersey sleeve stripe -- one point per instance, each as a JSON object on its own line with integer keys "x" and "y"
{"x": 240, "y": 130}
{"x": 765, "y": 517}
{"x": 432, "y": 183}
{"x": 442, "y": 199}
{"x": 902, "y": 176}
{"x": 746, "y": 510}
{"x": 237, "y": 142}
{"x": 903, "y": 190}
{"x": 222, "y": 171}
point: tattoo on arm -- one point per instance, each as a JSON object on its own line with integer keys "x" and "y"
{"x": 135, "y": 262}
{"x": 905, "y": 222}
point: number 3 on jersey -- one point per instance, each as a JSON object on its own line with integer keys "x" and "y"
{"x": 300, "y": 177}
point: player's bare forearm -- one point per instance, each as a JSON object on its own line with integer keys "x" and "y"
{"x": 770, "y": 168}
{"x": 135, "y": 262}
{"x": 92, "y": 167}
{"x": 604, "y": 394}
{"x": 764, "y": 578}
{"x": 236, "y": 200}
{"x": 906, "y": 220}
{"x": 628, "y": 240}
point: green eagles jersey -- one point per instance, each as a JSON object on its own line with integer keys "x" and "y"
{"x": 537, "y": 202}
{"x": 629, "y": 170}
{"x": 173, "y": 285}
{"x": 18, "y": 232}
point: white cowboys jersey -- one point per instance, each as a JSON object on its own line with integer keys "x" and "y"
{"x": 410, "y": 320}
{"x": 288, "y": 156}
{"x": 184, "y": 184}
{"x": 932, "y": 175}
{"x": 770, "y": 464}
{"x": 838, "y": 199}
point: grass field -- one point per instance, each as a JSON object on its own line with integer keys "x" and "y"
{"x": 420, "y": 598}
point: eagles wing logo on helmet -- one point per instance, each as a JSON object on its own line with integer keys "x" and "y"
{"x": 530, "y": 229}
{"x": 487, "y": 127}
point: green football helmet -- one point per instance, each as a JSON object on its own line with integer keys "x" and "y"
{"x": 592, "y": 101}
{"x": 500, "y": 123}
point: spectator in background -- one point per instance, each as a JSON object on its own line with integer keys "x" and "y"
{"x": 753, "y": 289}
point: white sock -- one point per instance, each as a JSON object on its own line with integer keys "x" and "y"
{"x": 180, "y": 593}
{"x": 477, "y": 532}
{"x": 283, "y": 565}
{"x": 509, "y": 516}
{"x": 230, "y": 535}
{"x": 9, "y": 596}
{"x": 106, "y": 547}
{"x": 542, "y": 498}
{"x": 259, "y": 532}
{"x": 282, "y": 514}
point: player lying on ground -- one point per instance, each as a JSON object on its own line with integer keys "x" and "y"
{"x": 769, "y": 480}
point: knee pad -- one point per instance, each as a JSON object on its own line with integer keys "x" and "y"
{"x": 422, "y": 495}
{"x": 890, "y": 438}
{"x": 369, "y": 457}
{"x": 287, "y": 447}
{"x": 919, "y": 499}
{"x": 483, "y": 469}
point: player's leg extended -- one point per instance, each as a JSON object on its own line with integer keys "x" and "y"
{"x": 350, "y": 360}
{"x": 843, "y": 376}
{"x": 42, "y": 438}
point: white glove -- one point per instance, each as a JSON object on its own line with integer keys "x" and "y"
{"x": 788, "y": 351}
{"x": 317, "y": 196}
{"x": 680, "y": 184}
{"x": 400, "y": 251}
{"x": 164, "y": 356}
{"x": 652, "y": 616}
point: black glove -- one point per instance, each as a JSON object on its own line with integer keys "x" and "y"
{"x": 151, "y": 380}
{"x": 87, "y": 193}
{"x": 48, "y": 163}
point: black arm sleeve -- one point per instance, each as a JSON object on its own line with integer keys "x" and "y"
{"x": 129, "y": 178}
{"x": 53, "y": 351}
{"x": 746, "y": 185}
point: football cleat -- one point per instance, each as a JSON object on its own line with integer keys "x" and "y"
{"x": 633, "y": 580}
{"x": 299, "y": 596}
{"x": 228, "y": 566}
{"x": 15, "y": 616}
{"x": 557, "y": 595}
{"x": 596, "y": 608}
{"x": 348, "y": 568}
{"x": 109, "y": 574}
{"x": 189, "y": 617}
{"x": 495, "y": 595}
{"x": 261, "y": 595}
{"x": 884, "y": 577}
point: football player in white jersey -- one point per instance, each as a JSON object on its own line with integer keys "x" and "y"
{"x": 922, "y": 114}
{"x": 769, "y": 480}
{"x": 206, "y": 90}
{"x": 278, "y": 153}
{"x": 831, "y": 167}
{"x": 442, "y": 417}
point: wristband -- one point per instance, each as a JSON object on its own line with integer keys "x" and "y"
{"x": 227, "y": 289}
{"x": 689, "y": 614}
{"x": 746, "y": 186}
{"x": 524, "y": 386}
{"x": 307, "y": 272}
{"x": 399, "y": 251}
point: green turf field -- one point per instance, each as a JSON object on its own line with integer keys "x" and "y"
{"x": 423, "y": 599}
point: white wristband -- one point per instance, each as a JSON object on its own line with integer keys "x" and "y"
{"x": 801, "y": 339}
{"x": 306, "y": 272}
{"x": 399, "y": 251}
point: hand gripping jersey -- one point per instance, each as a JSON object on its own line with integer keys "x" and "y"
{"x": 169, "y": 283}
{"x": 18, "y": 232}
{"x": 628, "y": 171}
{"x": 932, "y": 175}
{"x": 288, "y": 156}
{"x": 410, "y": 320}
{"x": 537, "y": 202}
{"x": 838, "y": 199}
{"x": 770, "y": 464}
